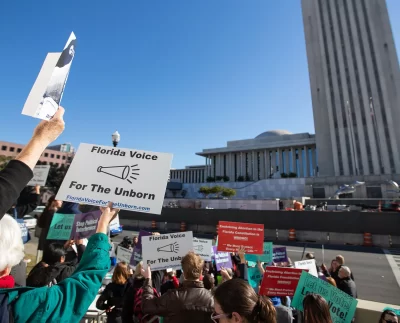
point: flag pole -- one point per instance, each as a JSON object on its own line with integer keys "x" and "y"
{"x": 374, "y": 124}
{"x": 353, "y": 144}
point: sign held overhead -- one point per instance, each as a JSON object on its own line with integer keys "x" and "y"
{"x": 134, "y": 180}
{"x": 40, "y": 174}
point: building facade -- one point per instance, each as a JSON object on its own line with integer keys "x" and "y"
{"x": 355, "y": 86}
{"x": 49, "y": 157}
{"x": 189, "y": 174}
{"x": 271, "y": 154}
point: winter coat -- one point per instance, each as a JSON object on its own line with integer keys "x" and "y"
{"x": 190, "y": 303}
{"x": 69, "y": 300}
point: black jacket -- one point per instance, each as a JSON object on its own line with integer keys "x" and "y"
{"x": 44, "y": 222}
{"x": 190, "y": 303}
{"x": 113, "y": 295}
{"x": 13, "y": 178}
{"x": 348, "y": 286}
{"x": 41, "y": 276}
{"x": 134, "y": 284}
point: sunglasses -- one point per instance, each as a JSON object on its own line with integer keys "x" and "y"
{"x": 216, "y": 317}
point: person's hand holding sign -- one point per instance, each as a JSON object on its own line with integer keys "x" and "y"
{"x": 242, "y": 252}
{"x": 146, "y": 273}
{"x": 109, "y": 213}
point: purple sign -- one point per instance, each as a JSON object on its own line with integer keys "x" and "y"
{"x": 222, "y": 259}
{"x": 279, "y": 254}
{"x": 142, "y": 233}
{"x": 136, "y": 257}
{"x": 85, "y": 225}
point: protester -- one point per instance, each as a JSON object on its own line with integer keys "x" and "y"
{"x": 346, "y": 284}
{"x": 209, "y": 283}
{"x": 53, "y": 268}
{"x": 331, "y": 281}
{"x": 111, "y": 298}
{"x": 67, "y": 301}
{"x": 135, "y": 283}
{"x": 18, "y": 172}
{"x": 171, "y": 282}
{"x": 190, "y": 303}
{"x": 236, "y": 301}
{"x": 28, "y": 201}
{"x": 316, "y": 309}
{"x": 45, "y": 219}
{"x": 388, "y": 316}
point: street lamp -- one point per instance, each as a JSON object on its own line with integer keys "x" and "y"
{"x": 115, "y": 138}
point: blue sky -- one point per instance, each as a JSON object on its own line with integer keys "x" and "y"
{"x": 172, "y": 76}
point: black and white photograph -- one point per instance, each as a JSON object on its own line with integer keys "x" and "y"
{"x": 55, "y": 88}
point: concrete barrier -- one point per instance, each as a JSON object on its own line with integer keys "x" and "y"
{"x": 370, "y": 312}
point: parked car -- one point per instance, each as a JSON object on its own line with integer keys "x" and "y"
{"x": 30, "y": 221}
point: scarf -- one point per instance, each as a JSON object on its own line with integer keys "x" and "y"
{"x": 7, "y": 281}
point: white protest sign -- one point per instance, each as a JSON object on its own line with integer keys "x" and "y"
{"x": 203, "y": 247}
{"x": 46, "y": 94}
{"x": 307, "y": 264}
{"x": 123, "y": 254}
{"x": 134, "y": 180}
{"x": 114, "y": 224}
{"x": 40, "y": 174}
{"x": 166, "y": 250}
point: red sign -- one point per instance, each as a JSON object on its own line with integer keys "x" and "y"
{"x": 232, "y": 235}
{"x": 280, "y": 281}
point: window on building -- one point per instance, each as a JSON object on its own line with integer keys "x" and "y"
{"x": 46, "y": 155}
{"x": 52, "y": 155}
{"x": 63, "y": 157}
{"x": 3, "y": 148}
{"x": 58, "y": 156}
{"x": 19, "y": 150}
{"x": 12, "y": 149}
{"x": 346, "y": 196}
{"x": 44, "y": 163}
{"x": 319, "y": 192}
{"x": 374, "y": 192}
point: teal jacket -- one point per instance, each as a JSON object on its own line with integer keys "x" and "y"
{"x": 69, "y": 300}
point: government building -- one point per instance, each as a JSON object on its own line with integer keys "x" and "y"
{"x": 355, "y": 89}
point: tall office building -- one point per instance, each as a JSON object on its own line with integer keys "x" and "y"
{"x": 352, "y": 58}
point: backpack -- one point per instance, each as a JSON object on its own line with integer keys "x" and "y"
{"x": 138, "y": 316}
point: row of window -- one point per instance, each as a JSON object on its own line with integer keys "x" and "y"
{"x": 373, "y": 192}
{"x": 188, "y": 176}
{"x": 18, "y": 150}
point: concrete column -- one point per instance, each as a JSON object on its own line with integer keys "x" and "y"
{"x": 254, "y": 167}
{"x": 267, "y": 164}
{"x": 242, "y": 164}
{"x": 232, "y": 177}
{"x": 314, "y": 161}
{"x": 273, "y": 161}
{"x": 301, "y": 169}
{"x": 262, "y": 168}
{"x": 307, "y": 162}
{"x": 287, "y": 161}
{"x": 280, "y": 161}
{"x": 294, "y": 168}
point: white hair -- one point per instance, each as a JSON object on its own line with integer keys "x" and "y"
{"x": 11, "y": 245}
{"x": 346, "y": 271}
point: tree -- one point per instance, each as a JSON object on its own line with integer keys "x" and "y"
{"x": 219, "y": 178}
{"x": 226, "y": 178}
{"x": 56, "y": 177}
{"x": 217, "y": 190}
{"x": 228, "y": 192}
{"x": 210, "y": 179}
{"x": 205, "y": 190}
{"x": 4, "y": 161}
{"x": 240, "y": 178}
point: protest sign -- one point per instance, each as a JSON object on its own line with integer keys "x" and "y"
{"x": 114, "y": 224}
{"x": 203, "y": 248}
{"x": 61, "y": 226}
{"x": 124, "y": 254}
{"x": 265, "y": 257}
{"x": 307, "y": 264}
{"x": 136, "y": 256}
{"x": 134, "y": 180}
{"x": 46, "y": 93}
{"x": 279, "y": 254}
{"x": 142, "y": 233}
{"x": 40, "y": 174}
{"x": 254, "y": 277}
{"x": 222, "y": 259}
{"x": 85, "y": 225}
{"x": 166, "y": 250}
{"x": 232, "y": 235}
{"x": 341, "y": 305}
{"x": 280, "y": 281}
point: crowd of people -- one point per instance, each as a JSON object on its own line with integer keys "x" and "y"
{"x": 61, "y": 287}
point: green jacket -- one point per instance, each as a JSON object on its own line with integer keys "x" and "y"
{"x": 69, "y": 300}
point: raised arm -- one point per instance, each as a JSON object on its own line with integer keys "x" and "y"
{"x": 18, "y": 172}
{"x": 71, "y": 298}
